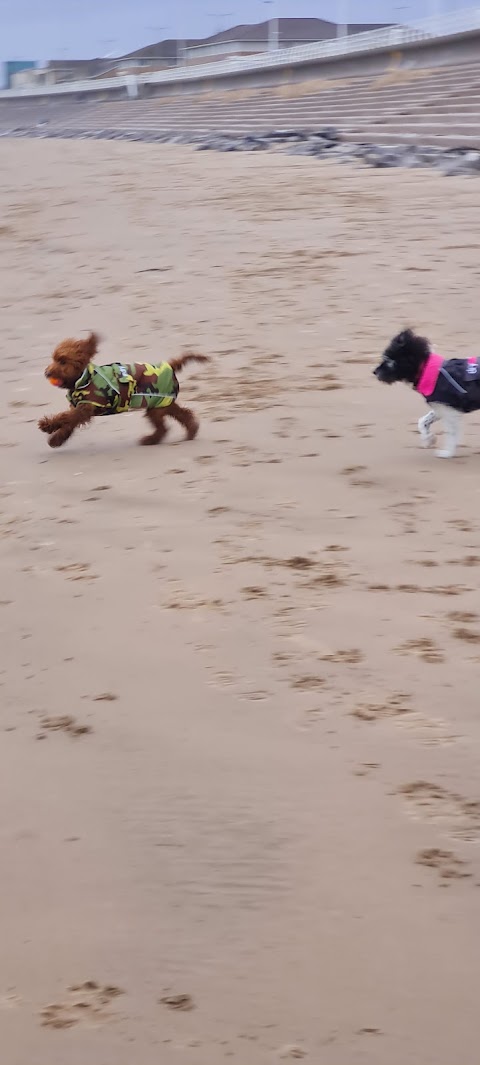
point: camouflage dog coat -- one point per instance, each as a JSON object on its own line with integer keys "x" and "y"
{"x": 116, "y": 388}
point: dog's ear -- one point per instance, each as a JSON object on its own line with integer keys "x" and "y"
{"x": 90, "y": 345}
{"x": 404, "y": 338}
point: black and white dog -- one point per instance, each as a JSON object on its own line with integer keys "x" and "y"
{"x": 451, "y": 387}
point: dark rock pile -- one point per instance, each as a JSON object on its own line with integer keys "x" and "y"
{"x": 319, "y": 144}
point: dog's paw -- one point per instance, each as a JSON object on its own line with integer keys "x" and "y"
{"x": 444, "y": 454}
{"x": 150, "y": 440}
{"x": 46, "y": 425}
{"x": 57, "y": 439}
{"x": 427, "y": 439}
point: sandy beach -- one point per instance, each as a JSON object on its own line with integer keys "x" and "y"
{"x": 239, "y": 676}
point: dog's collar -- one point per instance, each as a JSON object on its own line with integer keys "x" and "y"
{"x": 429, "y": 375}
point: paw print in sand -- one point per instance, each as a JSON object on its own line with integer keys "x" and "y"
{"x": 87, "y": 1003}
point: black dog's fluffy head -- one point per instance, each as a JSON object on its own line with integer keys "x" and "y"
{"x": 404, "y": 359}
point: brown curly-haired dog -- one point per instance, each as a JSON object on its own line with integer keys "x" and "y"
{"x": 98, "y": 390}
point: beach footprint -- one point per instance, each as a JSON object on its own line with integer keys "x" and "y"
{"x": 88, "y": 1003}
{"x": 459, "y": 816}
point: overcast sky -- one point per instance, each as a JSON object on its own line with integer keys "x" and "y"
{"x": 48, "y": 29}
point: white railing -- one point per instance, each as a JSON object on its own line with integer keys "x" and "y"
{"x": 450, "y": 25}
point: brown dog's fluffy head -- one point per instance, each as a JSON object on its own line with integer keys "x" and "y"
{"x": 70, "y": 359}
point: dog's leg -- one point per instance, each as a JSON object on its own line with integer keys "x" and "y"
{"x": 185, "y": 417}
{"x": 157, "y": 418}
{"x": 425, "y": 428}
{"x": 50, "y": 424}
{"x": 452, "y": 420}
{"x": 61, "y": 426}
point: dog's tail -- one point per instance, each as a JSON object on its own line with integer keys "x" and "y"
{"x": 189, "y": 356}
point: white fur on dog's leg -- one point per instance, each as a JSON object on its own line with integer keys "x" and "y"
{"x": 452, "y": 420}
{"x": 424, "y": 428}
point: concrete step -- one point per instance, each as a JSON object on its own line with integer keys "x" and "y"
{"x": 310, "y": 118}
{"x": 289, "y": 119}
{"x": 463, "y": 106}
{"x": 460, "y": 130}
{"x": 405, "y": 90}
{"x": 284, "y": 115}
{"x": 398, "y": 97}
{"x": 280, "y": 115}
{"x": 430, "y": 117}
{"x": 275, "y": 101}
{"x": 304, "y": 121}
{"x": 447, "y": 140}
{"x": 394, "y": 94}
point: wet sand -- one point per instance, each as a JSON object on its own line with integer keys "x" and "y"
{"x": 240, "y": 729}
